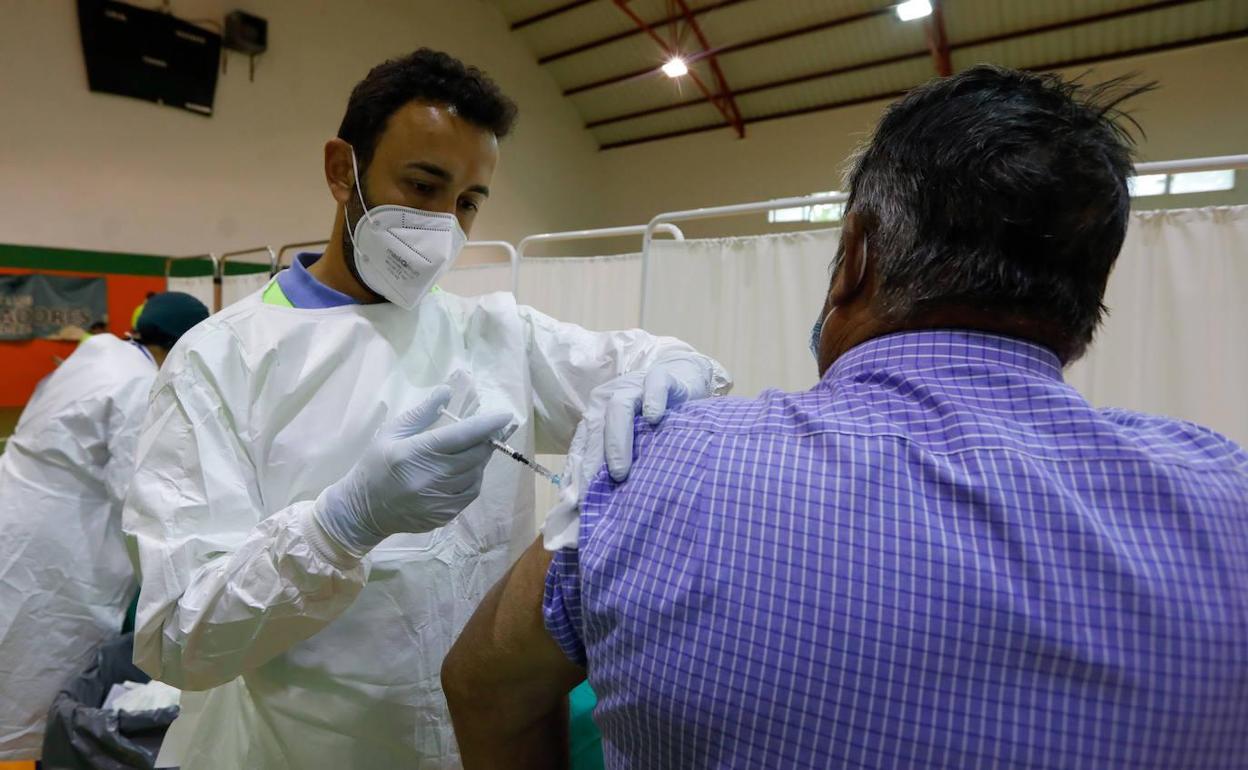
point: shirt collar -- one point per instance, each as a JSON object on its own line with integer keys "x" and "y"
{"x": 304, "y": 291}
{"x": 933, "y": 349}
{"x": 143, "y": 349}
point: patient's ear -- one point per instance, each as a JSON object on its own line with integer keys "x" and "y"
{"x": 851, "y": 274}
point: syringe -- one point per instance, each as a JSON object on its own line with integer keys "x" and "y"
{"x": 511, "y": 452}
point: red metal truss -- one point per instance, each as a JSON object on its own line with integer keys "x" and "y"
{"x": 1130, "y": 11}
{"x": 746, "y": 45}
{"x": 549, "y": 14}
{"x": 1238, "y": 34}
{"x": 938, "y": 41}
{"x": 722, "y": 98}
{"x": 599, "y": 42}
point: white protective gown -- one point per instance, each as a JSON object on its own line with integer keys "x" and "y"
{"x": 65, "y": 578}
{"x": 313, "y": 663}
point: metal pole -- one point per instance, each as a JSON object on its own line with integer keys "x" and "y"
{"x": 1215, "y": 163}
{"x": 283, "y": 249}
{"x": 512, "y": 257}
{"x": 170, "y": 260}
{"x": 599, "y": 232}
{"x": 218, "y": 282}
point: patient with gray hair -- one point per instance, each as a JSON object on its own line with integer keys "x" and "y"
{"x": 940, "y": 555}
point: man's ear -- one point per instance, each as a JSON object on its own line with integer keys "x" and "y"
{"x": 850, "y": 279}
{"x": 339, "y": 174}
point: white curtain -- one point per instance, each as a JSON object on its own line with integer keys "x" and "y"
{"x": 1176, "y": 339}
{"x": 749, "y": 302}
{"x": 234, "y": 287}
{"x": 199, "y": 287}
{"x": 599, "y": 293}
{"x": 475, "y": 280}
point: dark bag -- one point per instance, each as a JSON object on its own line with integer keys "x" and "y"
{"x": 83, "y": 736}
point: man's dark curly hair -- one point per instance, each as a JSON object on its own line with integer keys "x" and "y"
{"x": 424, "y": 75}
{"x": 1003, "y": 191}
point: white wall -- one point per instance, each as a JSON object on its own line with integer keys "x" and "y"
{"x": 95, "y": 171}
{"x": 1200, "y": 110}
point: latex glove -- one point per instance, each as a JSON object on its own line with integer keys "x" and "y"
{"x": 410, "y": 479}
{"x": 672, "y": 380}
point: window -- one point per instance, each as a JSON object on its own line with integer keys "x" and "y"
{"x": 1181, "y": 184}
{"x": 787, "y": 215}
{"x": 822, "y": 212}
{"x": 1147, "y": 184}
{"x": 1202, "y": 181}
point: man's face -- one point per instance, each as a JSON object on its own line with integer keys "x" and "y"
{"x": 429, "y": 158}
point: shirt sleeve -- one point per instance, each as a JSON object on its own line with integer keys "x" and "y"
{"x": 225, "y": 585}
{"x": 561, "y": 604}
{"x": 665, "y": 489}
{"x": 561, "y": 600}
{"x": 567, "y": 362}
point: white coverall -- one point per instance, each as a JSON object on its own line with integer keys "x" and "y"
{"x": 313, "y": 662}
{"x": 65, "y": 578}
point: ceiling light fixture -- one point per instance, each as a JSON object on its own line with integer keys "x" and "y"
{"x": 913, "y": 9}
{"x": 675, "y": 67}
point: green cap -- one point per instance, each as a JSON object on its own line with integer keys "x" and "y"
{"x": 167, "y": 316}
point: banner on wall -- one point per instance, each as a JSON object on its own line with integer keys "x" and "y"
{"x": 50, "y": 307}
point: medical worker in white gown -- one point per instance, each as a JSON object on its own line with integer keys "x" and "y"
{"x": 65, "y": 579}
{"x": 292, "y": 484}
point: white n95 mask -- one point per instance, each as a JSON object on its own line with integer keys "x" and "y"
{"x": 401, "y": 252}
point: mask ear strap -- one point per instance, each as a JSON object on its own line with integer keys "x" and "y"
{"x": 359, "y": 189}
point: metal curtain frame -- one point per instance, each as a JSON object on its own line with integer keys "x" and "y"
{"x": 170, "y": 260}
{"x": 600, "y": 232}
{"x": 218, "y": 280}
{"x": 513, "y": 258}
{"x": 712, "y": 213}
{"x": 254, "y": 250}
{"x": 216, "y": 272}
{"x": 281, "y": 251}
{"x": 1215, "y": 163}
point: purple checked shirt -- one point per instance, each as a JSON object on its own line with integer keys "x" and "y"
{"x": 939, "y": 556}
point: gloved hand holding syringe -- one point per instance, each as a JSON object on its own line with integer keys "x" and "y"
{"x": 512, "y": 452}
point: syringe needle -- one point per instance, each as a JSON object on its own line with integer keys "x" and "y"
{"x": 511, "y": 452}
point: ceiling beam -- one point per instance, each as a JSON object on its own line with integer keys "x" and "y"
{"x": 1157, "y": 5}
{"x": 725, "y": 101}
{"x": 767, "y": 86}
{"x": 742, "y": 46}
{"x": 1173, "y": 45}
{"x": 1141, "y": 51}
{"x": 1026, "y": 32}
{"x": 748, "y": 121}
{"x": 804, "y": 30}
{"x": 938, "y": 41}
{"x": 544, "y": 15}
{"x": 721, "y": 100}
{"x": 591, "y": 45}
